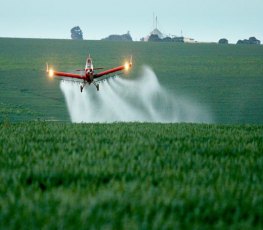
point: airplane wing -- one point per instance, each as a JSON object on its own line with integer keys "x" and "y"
{"x": 64, "y": 74}
{"x": 52, "y": 73}
{"x": 124, "y": 67}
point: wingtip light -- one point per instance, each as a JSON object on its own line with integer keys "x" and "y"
{"x": 51, "y": 73}
{"x": 127, "y": 66}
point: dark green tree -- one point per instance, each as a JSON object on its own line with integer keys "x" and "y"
{"x": 254, "y": 41}
{"x": 250, "y": 41}
{"x": 154, "y": 38}
{"x": 223, "y": 41}
{"x": 76, "y": 33}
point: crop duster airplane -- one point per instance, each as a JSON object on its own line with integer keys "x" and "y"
{"x": 88, "y": 74}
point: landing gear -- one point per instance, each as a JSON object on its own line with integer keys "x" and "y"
{"x": 82, "y": 86}
{"x": 97, "y": 86}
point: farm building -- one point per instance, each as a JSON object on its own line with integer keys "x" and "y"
{"x": 157, "y": 36}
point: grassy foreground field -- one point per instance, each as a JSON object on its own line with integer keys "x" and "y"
{"x": 130, "y": 175}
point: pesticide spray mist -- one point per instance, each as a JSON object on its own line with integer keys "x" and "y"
{"x": 142, "y": 99}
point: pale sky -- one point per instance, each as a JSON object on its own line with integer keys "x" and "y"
{"x": 203, "y": 20}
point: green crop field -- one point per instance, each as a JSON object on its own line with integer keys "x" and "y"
{"x": 228, "y": 80}
{"x": 130, "y": 176}
{"x": 58, "y": 175}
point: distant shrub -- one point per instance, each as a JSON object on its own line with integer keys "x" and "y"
{"x": 167, "y": 39}
{"x": 116, "y": 37}
{"x": 154, "y": 38}
{"x": 250, "y": 41}
{"x": 223, "y": 41}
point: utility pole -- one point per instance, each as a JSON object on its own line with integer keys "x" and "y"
{"x": 153, "y": 21}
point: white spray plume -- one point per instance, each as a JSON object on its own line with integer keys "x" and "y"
{"x": 142, "y": 99}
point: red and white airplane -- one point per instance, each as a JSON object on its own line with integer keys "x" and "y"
{"x": 89, "y": 76}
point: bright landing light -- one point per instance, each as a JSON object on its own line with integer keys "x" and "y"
{"x": 126, "y": 66}
{"x": 51, "y": 73}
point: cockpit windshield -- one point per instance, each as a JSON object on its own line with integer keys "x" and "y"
{"x": 89, "y": 63}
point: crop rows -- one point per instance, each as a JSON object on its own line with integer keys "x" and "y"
{"x": 130, "y": 175}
